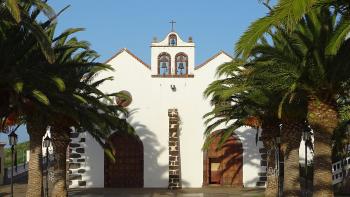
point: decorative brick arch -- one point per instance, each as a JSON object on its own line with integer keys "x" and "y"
{"x": 161, "y": 58}
{"x": 171, "y": 38}
{"x": 127, "y": 171}
{"x": 181, "y": 57}
{"x": 224, "y": 166}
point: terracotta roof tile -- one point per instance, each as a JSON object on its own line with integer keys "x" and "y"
{"x": 130, "y": 53}
{"x": 210, "y": 59}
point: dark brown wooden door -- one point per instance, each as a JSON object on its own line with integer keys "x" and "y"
{"x": 127, "y": 171}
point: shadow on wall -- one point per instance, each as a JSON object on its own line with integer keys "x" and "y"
{"x": 184, "y": 183}
{"x": 91, "y": 169}
{"x": 127, "y": 170}
{"x": 241, "y": 159}
{"x": 230, "y": 160}
{"x": 155, "y": 174}
{"x": 253, "y": 163}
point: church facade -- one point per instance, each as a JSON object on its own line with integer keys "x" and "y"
{"x": 167, "y": 111}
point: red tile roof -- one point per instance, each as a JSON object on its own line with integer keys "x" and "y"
{"x": 210, "y": 59}
{"x": 130, "y": 53}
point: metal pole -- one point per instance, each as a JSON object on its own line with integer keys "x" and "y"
{"x": 278, "y": 143}
{"x": 279, "y": 172}
{"x": 12, "y": 149}
{"x": 47, "y": 172}
{"x": 306, "y": 138}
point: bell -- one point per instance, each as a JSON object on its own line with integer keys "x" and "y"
{"x": 173, "y": 42}
{"x": 164, "y": 66}
{"x": 181, "y": 66}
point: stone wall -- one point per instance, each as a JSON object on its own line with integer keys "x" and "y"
{"x": 174, "y": 150}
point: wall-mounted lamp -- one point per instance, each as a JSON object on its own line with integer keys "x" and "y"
{"x": 173, "y": 88}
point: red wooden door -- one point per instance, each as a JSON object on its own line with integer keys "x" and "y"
{"x": 224, "y": 166}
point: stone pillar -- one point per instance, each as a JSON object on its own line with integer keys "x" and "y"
{"x": 76, "y": 167}
{"x": 174, "y": 150}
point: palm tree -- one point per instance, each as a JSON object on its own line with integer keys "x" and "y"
{"x": 18, "y": 12}
{"x": 292, "y": 128}
{"x": 268, "y": 57}
{"x": 80, "y": 104}
{"x": 270, "y": 132}
{"x": 307, "y": 66}
{"x": 252, "y": 107}
{"x": 32, "y": 85}
{"x": 289, "y": 13}
{"x": 23, "y": 81}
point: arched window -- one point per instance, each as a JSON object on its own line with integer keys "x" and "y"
{"x": 181, "y": 64}
{"x": 164, "y": 64}
{"x": 172, "y": 40}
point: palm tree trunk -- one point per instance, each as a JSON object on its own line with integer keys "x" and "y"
{"x": 270, "y": 130}
{"x": 272, "y": 179}
{"x": 290, "y": 137}
{"x": 323, "y": 118}
{"x": 60, "y": 136}
{"x": 36, "y": 130}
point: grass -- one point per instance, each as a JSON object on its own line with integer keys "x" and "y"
{"x": 21, "y": 154}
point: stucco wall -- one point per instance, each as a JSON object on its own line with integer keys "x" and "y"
{"x": 152, "y": 97}
{"x": 251, "y": 156}
{"x": 94, "y": 164}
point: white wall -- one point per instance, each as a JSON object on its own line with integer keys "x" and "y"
{"x": 310, "y": 153}
{"x": 152, "y": 97}
{"x": 44, "y": 148}
{"x": 94, "y": 163}
{"x": 189, "y": 51}
{"x": 251, "y": 156}
{"x": 185, "y": 47}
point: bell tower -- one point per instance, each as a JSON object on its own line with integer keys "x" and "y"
{"x": 172, "y": 57}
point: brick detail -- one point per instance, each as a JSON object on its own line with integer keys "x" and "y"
{"x": 174, "y": 150}
{"x": 77, "y": 159}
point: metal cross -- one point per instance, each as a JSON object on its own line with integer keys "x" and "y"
{"x": 172, "y": 24}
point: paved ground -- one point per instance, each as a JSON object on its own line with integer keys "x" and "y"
{"x": 20, "y": 189}
{"x": 201, "y": 192}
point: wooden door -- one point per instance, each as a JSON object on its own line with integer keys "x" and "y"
{"x": 224, "y": 166}
{"x": 127, "y": 170}
{"x": 214, "y": 171}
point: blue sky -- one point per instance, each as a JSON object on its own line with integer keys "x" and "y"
{"x": 112, "y": 25}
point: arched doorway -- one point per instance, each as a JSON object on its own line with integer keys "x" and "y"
{"x": 224, "y": 166}
{"x": 127, "y": 171}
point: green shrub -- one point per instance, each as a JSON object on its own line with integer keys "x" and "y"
{"x": 21, "y": 154}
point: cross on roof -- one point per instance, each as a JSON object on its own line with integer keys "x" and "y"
{"x": 172, "y": 24}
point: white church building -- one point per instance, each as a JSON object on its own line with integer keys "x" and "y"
{"x": 167, "y": 111}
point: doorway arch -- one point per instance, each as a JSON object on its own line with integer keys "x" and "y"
{"x": 127, "y": 170}
{"x": 223, "y": 166}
